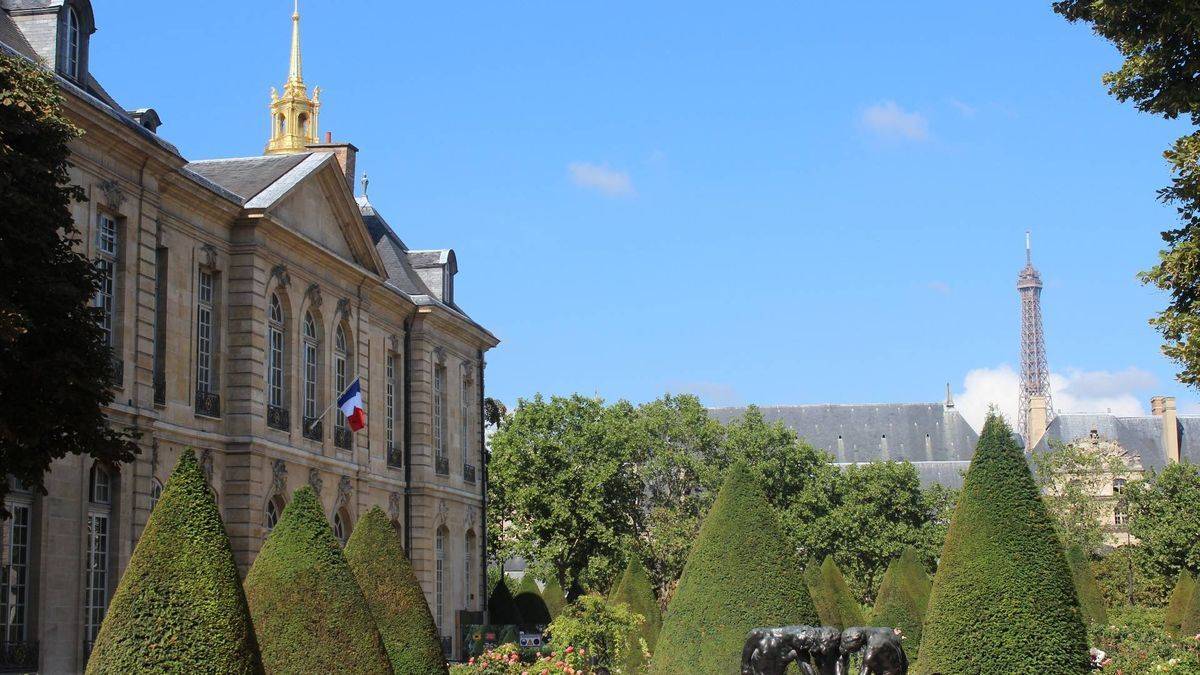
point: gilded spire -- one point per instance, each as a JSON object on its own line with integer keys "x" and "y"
{"x": 295, "y": 72}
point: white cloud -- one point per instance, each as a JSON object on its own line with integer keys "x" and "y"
{"x": 602, "y": 179}
{"x": 888, "y": 120}
{"x": 711, "y": 394}
{"x": 966, "y": 109}
{"x": 1075, "y": 391}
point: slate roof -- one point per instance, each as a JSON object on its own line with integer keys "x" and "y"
{"x": 14, "y": 38}
{"x": 947, "y": 473}
{"x": 1141, "y": 435}
{"x": 246, "y": 177}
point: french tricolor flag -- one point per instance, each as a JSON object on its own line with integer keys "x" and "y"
{"x": 351, "y": 405}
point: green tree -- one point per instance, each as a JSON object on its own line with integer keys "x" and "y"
{"x": 1091, "y": 600}
{"x": 49, "y": 332}
{"x": 179, "y": 605}
{"x": 309, "y": 614}
{"x": 603, "y": 629}
{"x": 554, "y": 597}
{"x": 1070, "y": 477}
{"x": 397, "y": 603}
{"x": 565, "y": 468}
{"x": 1164, "y": 514}
{"x": 898, "y": 604}
{"x": 1178, "y": 605}
{"x": 1003, "y": 600}
{"x": 741, "y": 573}
{"x": 635, "y": 590}
{"x": 1160, "y": 74}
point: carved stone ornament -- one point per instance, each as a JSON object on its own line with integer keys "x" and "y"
{"x": 206, "y": 465}
{"x": 314, "y": 295}
{"x": 345, "y": 489}
{"x": 394, "y": 500}
{"x": 343, "y": 309}
{"x": 280, "y": 272}
{"x": 314, "y": 480}
{"x": 469, "y": 523}
{"x": 439, "y": 355}
{"x": 278, "y": 476}
{"x": 443, "y": 512}
{"x": 113, "y": 196}
{"x": 208, "y": 256}
{"x": 394, "y": 342}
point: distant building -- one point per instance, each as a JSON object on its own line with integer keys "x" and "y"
{"x": 934, "y": 437}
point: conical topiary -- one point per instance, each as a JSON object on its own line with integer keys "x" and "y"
{"x": 397, "y": 603}
{"x": 740, "y": 574}
{"x": 1003, "y": 599}
{"x": 179, "y": 605}
{"x": 898, "y": 605}
{"x": 554, "y": 597}
{"x": 1190, "y": 619}
{"x": 1091, "y": 599}
{"x": 1180, "y": 597}
{"x": 912, "y": 573}
{"x": 848, "y": 611}
{"x": 527, "y": 585}
{"x": 821, "y": 597}
{"x": 532, "y": 609}
{"x": 634, "y": 589}
{"x": 309, "y": 614}
{"x": 501, "y": 609}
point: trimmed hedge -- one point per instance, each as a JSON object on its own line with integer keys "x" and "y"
{"x": 1091, "y": 598}
{"x": 634, "y": 589}
{"x": 554, "y": 597}
{"x": 501, "y": 609}
{"x": 397, "y": 603}
{"x": 179, "y": 605}
{"x": 740, "y": 573}
{"x": 913, "y": 574}
{"x": 1178, "y": 605}
{"x": 1190, "y": 619}
{"x": 309, "y": 614}
{"x": 898, "y": 604}
{"x": 1003, "y": 599}
{"x": 527, "y": 585}
{"x": 532, "y": 609}
{"x": 846, "y": 610}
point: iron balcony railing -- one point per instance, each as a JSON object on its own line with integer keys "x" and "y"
{"x": 313, "y": 429}
{"x": 279, "y": 418}
{"x": 208, "y": 403}
{"x": 19, "y": 657}
{"x": 468, "y": 473}
{"x": 395, "y": 458}
{"x": 441, "y": 466}
{"x": 341, "y": 437}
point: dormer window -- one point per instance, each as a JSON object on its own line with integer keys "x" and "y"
{"x": 71, "y": 44}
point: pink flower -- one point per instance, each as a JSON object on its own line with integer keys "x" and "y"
{"x": 570, "y": 649}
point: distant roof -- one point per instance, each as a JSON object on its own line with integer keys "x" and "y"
{"x": 947, "y": 473}
{"x": 1141, "y": 435}
{"x": 871, "y": 432}
{"x": 14, "y": 38}
{"x": 247, "y": 176}
{"x": 376, "y": 225}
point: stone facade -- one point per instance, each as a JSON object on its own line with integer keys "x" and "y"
{"x": 200, "y": 255}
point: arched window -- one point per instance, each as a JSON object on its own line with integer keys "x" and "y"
{"x": 469, "y": 570}
{"x": 274, "y": 508}
{"x": 341, "y": 356}
{"x": 275, "y": 343}
{"x": 341, "y": 529}
{"x": 303, "y": 125}
{"x": 282, "y": 125}
{"x": 440, "y": 581}
{"x": 71, "y": 44}
{"x": 311, "y": 346}
{"x": 155, "y": 492}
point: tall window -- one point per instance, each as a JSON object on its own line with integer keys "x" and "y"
{"x": 310, "y": 367}
{"x": 339, "y": 370}
{"x": 440, "y": 586}
{"x": 96, "y": 581}
{"x": 155, "y": 492}
{"x": 106, "y": 263}
{"x": 71, "y": 45}
{"x": 274, "y": 508}
{"x": 469, "y": 569}
{"x": 389, "y": 413}
{"x": 439, "y": 413}
{"x": 339, "y": 528}
{"x": 275, "y": 353}
{"x": 465, "y": 423}
{"x": 204, "y": 331}
{"x": 14, "y": 593}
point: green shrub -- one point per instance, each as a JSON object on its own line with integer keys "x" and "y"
{"x": 1003, "y": 599}
{"x": 740, "y": 573}
{"x": 898, "y": 605}
{"x": 532, "y": 609}
{"x": 528, "y": 585}
{"x": 394, "y": 595}
{"x": 1190, "y": 619}
{"x": 501, "y": 609}
{"x": 912, "y": 573}
{"x": 1177, "y": 607}
{"x": 309, "y": 614}
{"x": 1136, "y": 643}
{"x": 835, "y": 603}
{"x": 179, "y": 605}
{"x": 605, "y": 630}
{"x": 554, "y": 597}
{"x": 635, "y": 590}
{"x": 1091, "y": 600}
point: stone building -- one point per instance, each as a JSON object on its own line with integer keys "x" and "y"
{"x": 242, "y": 296}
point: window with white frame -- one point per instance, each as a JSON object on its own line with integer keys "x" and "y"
{"x": 439, "y": 413}
{"x": 465, "y": 420}
{"x": 439, "y": 581}
{"x": 106, "y": 264}
{"x": 97, "y": 561}
{"x": 275, "y": 353}
{"x": 389, "y": 412}
{"x": 72, "y": 38}
{"x": 14, "y": 589}
{"x": 205, "y": 313}
{"x": 311, "y": 346}
{"x": 340, "y": 355}
{"x": 469, "y": 569}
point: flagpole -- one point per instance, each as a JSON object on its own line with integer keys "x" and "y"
{"x": 309, "y": 427}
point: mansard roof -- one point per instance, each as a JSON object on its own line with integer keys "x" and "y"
{"x": 1140, "y": 435}
{"x": 246, "y": 177}
{"x": 14, "y": 38}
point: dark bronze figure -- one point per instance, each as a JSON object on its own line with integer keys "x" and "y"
{"x": 882, "y": 653}
{"x": 767, "y": 652}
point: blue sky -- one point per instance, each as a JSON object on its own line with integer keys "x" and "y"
{"x": 770, "y": 202}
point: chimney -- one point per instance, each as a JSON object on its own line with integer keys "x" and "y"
{"x": 344, "y": 152}
{"x": 1156, "y": 406}
{"x": 1037, "y": 422}
{"x": 1170, "y": 426}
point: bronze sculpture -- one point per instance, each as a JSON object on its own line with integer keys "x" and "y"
{"x": 769, "y": 651}
{"x": 882, "y": 653}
